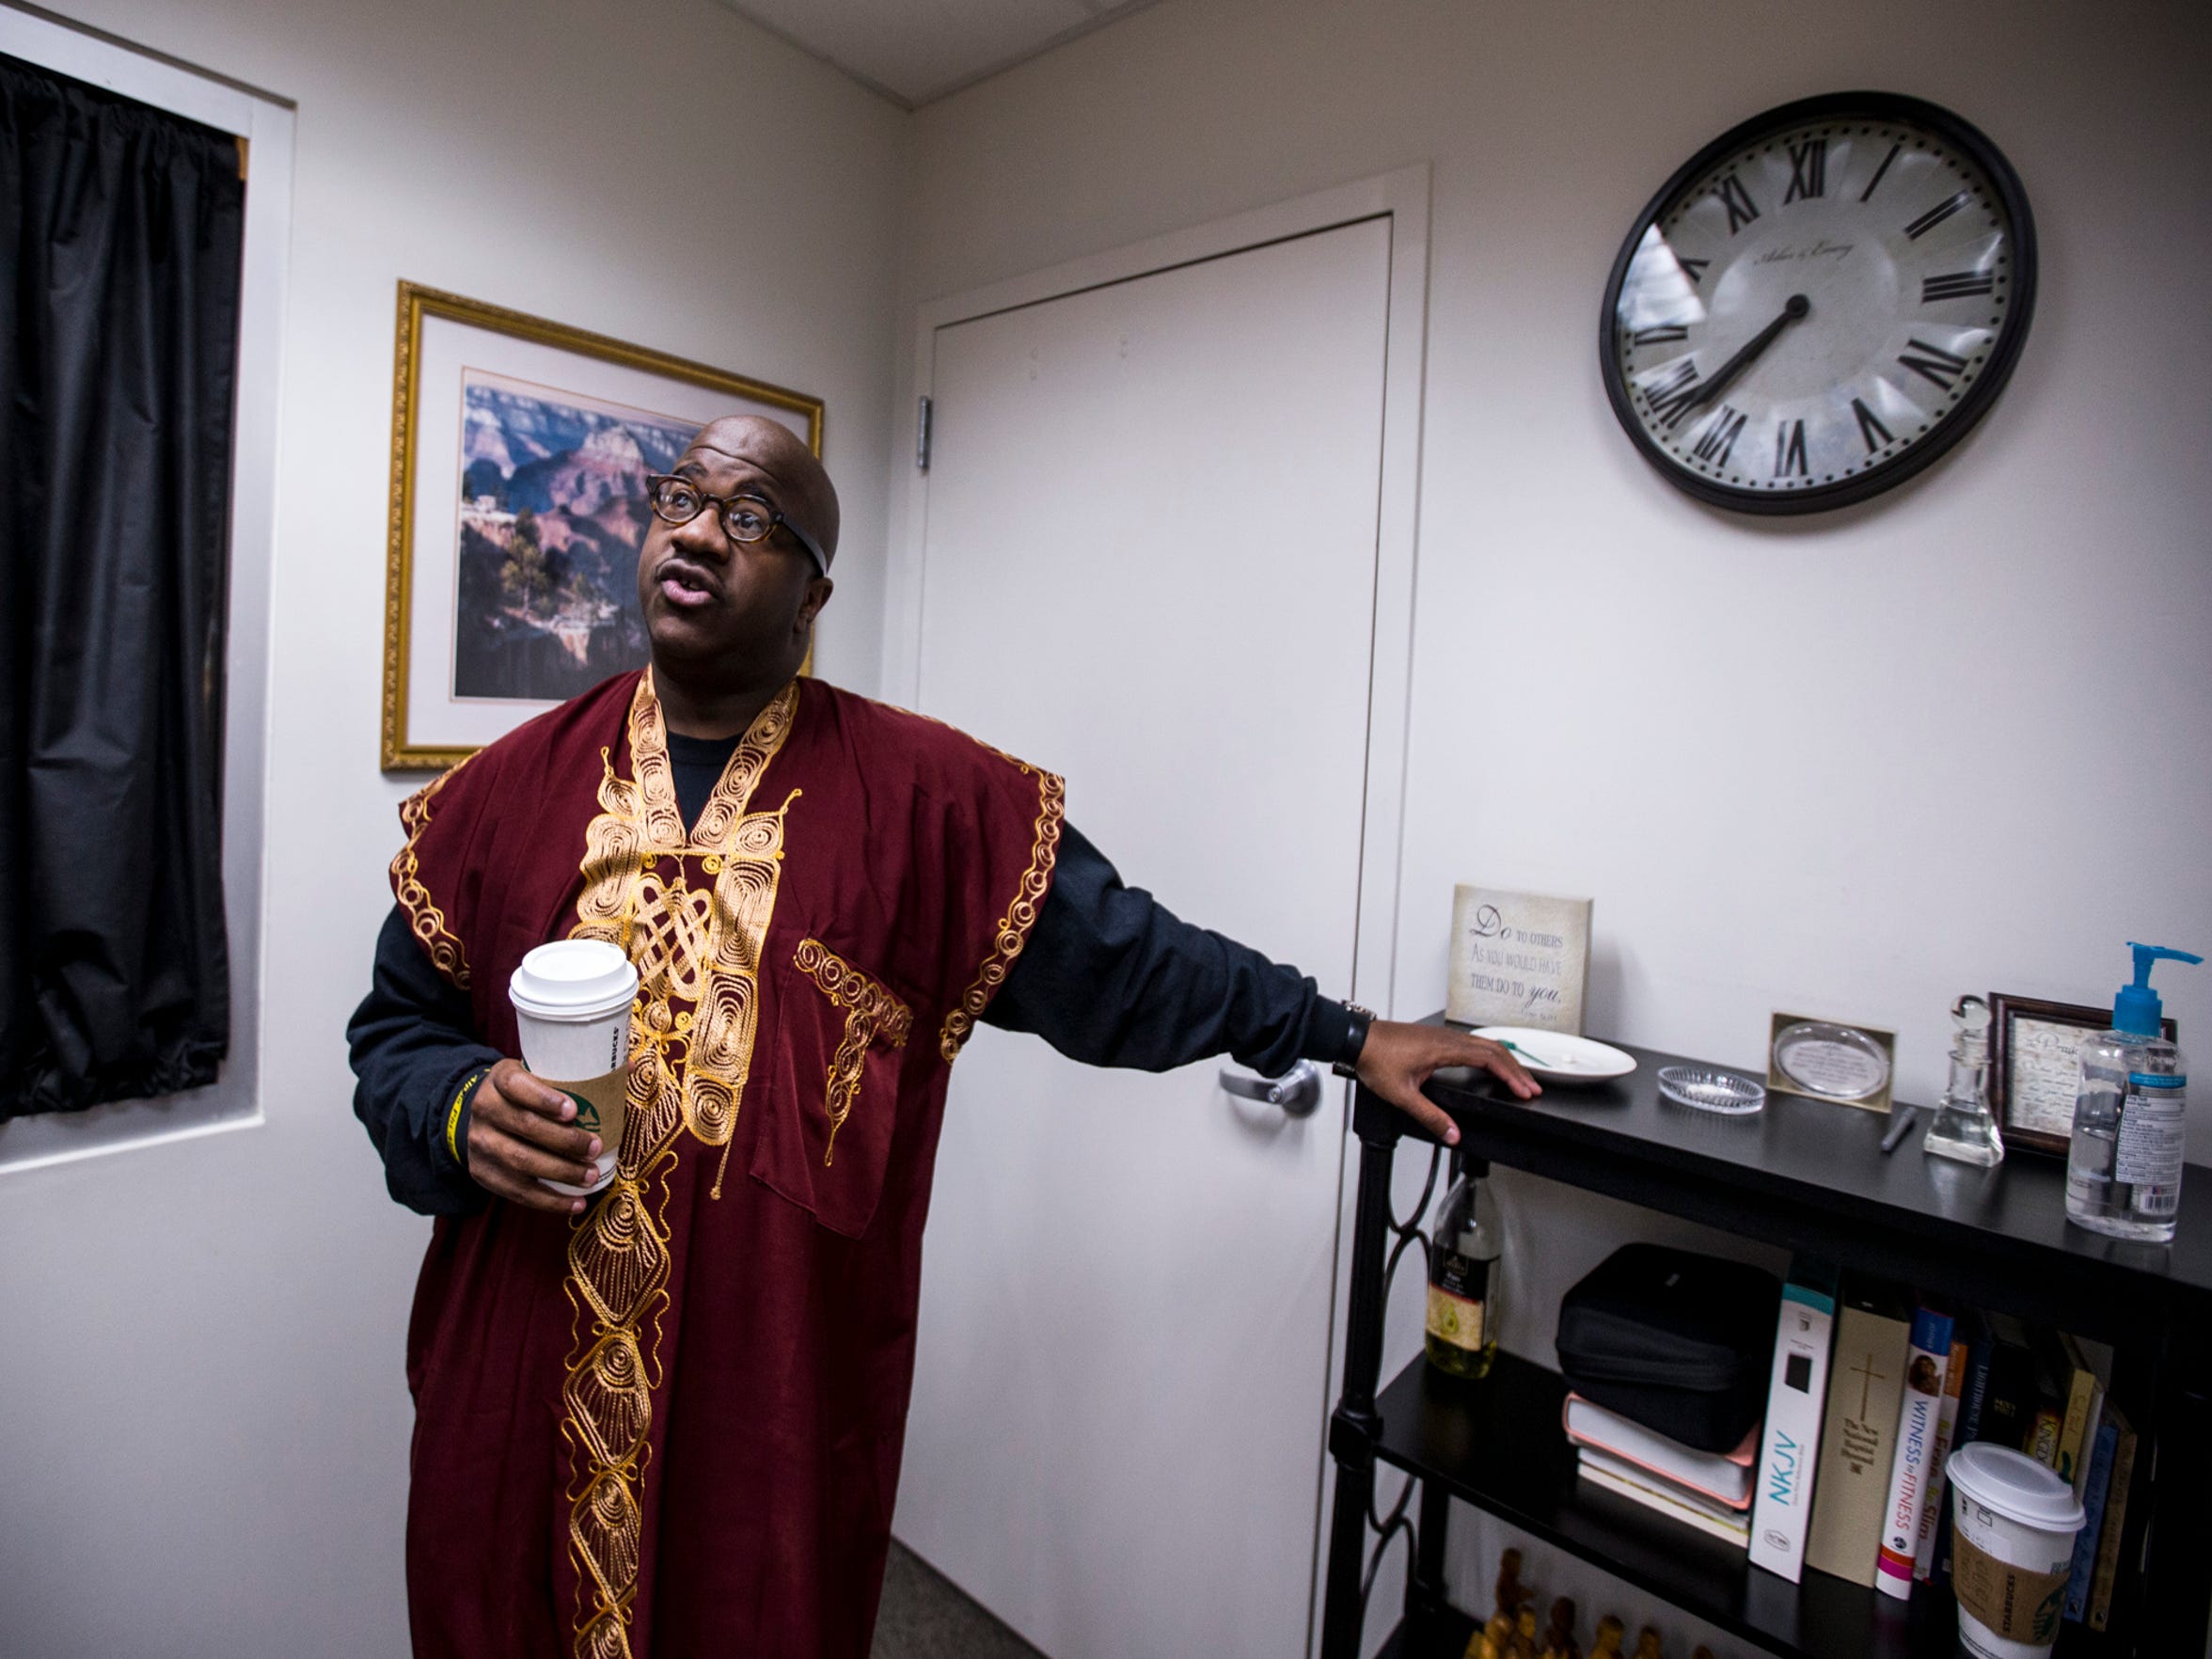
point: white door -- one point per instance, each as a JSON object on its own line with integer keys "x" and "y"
{"x": 1149, "y": 564}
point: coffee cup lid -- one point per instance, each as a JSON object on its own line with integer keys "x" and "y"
{"x": 572, "y": 979}
{"x": 2015, "y": 1486}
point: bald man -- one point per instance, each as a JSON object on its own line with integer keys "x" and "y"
{"x": 667, "y": 1419}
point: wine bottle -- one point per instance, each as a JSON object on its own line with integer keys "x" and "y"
{"x": 1465, "y": 1276}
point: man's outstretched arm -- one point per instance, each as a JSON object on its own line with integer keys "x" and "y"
{"x": 1112, "y": 978}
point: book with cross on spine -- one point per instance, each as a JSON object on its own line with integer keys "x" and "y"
{"x": 1866, "y": 1380}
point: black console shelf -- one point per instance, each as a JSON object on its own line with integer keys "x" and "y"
{"x": 1804, "y": 1176}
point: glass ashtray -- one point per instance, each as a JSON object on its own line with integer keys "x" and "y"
{"x": 1703, "y": 1089}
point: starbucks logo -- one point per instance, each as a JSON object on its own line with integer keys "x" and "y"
{"x": 587, "y": 1114}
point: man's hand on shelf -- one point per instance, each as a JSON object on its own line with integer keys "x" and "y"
{"x": 1398, "y": 1059}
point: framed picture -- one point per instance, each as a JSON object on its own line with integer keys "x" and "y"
{"x": 2034, "y": 1068}
{"x": 519, "y": 453}
{"x": 1826, "y": 1060}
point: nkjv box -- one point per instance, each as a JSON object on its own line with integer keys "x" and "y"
{"x": 1518, "y": 958}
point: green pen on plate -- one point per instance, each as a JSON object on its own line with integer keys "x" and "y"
{"x": 1534, "y": 1059}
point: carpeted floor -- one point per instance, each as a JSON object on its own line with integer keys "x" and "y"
{"x": 925, "y": 1616}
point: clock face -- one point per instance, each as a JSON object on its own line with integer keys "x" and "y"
{"x": 1820, "y": 303}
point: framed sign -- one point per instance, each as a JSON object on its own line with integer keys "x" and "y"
{"x": 1518, "y": 958}
{"x": 519, "y": 453}
{"x": 1825, "y": 1060}
{"x": 2034, "y": 1068}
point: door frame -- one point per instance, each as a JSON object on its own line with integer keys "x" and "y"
{"x": 1402, "y": 196}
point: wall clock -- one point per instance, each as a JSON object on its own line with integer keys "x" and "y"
{"x": 1820, "y": 303}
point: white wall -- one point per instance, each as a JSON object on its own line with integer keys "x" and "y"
{"x": 209, "y": 1425}
{"x": 1619, "y": 693}
{"x": 2010, "y": 653}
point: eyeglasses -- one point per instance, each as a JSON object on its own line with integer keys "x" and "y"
{"x": 744, "y": 518}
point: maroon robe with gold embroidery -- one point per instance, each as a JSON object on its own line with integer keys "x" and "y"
{"x": 672, "y": 1427}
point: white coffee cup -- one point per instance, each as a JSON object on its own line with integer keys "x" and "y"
{"x": 572, "y": 1005}
{"x": 2013, "y": 1526}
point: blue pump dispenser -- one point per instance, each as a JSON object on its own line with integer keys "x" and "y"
{"x": 2124, "y": 1160}
{"x": 2137, "y": 1009}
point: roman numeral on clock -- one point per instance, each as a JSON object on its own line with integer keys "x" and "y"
{"x": 1718, "y": 436}
{"x": 1809, "y": 169}
{"x": 1741, "y": 210}
{"x": 1671, "y": 395}
{"x": 1790, "y": 449}
{"x": 1868, "y": 194}
{"x": 1661, "y": 335}
{"x": 1957, "y": 285}
{"x": 1869, "y": 426}
{"x": 1694, "y": 270}
{"x": 1937, "y": 365}
{"x": 1937, "y": 214}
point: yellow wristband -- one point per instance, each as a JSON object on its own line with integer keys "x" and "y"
{"x": 453, "y": 1112}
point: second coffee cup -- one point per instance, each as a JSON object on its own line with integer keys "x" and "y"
{"x": 572, "y": 1007}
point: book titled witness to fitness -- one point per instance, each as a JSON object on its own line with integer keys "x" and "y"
{"x": 1918, "y": 1424}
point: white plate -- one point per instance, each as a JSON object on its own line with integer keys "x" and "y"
{"x": 1556, "y": 1057}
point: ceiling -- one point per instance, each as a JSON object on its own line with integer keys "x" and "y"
{"x": 913, "y": 50}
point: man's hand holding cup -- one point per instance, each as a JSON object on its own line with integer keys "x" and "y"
{"x": 522, "y": 1131}
{"x": 552, "y": 1134}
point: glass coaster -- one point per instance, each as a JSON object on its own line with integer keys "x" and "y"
{"x": 1703, "y": 1089}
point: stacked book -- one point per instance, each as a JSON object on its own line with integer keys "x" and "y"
{"x": 1709, "y": 1491}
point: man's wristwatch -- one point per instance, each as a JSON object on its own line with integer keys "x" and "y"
{"x": 1356, "y": 1038}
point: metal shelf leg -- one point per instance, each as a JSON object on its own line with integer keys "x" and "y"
{"x": 1353, "y": 1427}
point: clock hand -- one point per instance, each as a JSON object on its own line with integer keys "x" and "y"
{"x": 1797, "y": 307}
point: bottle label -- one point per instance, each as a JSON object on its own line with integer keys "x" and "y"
{"x": 1459, "y": 1298}
{"x": 2153, "y": 1135}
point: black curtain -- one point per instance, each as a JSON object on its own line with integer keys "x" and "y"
{"x": 120, "y": 228}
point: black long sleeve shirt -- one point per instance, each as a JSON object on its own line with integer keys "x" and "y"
{"x": 1110, "y": 977}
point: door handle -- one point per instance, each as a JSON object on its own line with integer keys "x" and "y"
{"x": 1298, "y": 1091}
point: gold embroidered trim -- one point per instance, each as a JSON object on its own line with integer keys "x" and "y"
{"x": 423, "y": 916}
{"x": 697, "y": 953}
{"x": 1019, "y": 918}
{"x": 870, "y": 1011}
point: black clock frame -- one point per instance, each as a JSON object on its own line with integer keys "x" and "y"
{"x": 1969, "y": 141}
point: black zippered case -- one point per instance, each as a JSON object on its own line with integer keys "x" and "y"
{"x": 1678, "y": 1342}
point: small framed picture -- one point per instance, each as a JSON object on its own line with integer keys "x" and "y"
{"x": 1825, "y": 1060}
{"x": 2034, "y": 1068}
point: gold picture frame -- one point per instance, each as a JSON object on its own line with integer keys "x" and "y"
{"x": 1820, "y": 1059}
{"x": 627, "y": 375}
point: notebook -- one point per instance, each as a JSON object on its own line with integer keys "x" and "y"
{"x": 1723, "y": 1477}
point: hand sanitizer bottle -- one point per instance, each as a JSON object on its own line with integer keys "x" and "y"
{"x": 1964, "y": 1126}
{"x": 2123, "y": 1164}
